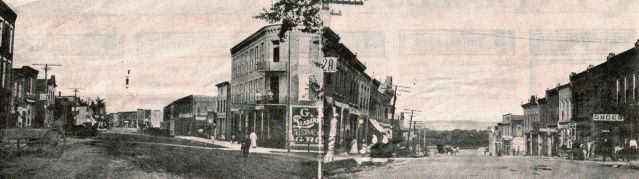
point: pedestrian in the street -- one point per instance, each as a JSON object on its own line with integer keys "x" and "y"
{"x": 245, "y": 145}
{"x": 589, "y": 145}
{"x": 253, "y": 137}
{"x": 607, "y": 150}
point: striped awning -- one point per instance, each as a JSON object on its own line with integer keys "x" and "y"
{"x": 379, "y": 127}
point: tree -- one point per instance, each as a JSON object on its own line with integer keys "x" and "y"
{"x": 98, "y": 106}
{"x": 293, "y": 13}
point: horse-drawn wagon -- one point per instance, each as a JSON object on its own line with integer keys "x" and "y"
{"x": 47, "y": 141}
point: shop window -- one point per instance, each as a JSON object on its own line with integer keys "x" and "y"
{"x": 617, "y": 94}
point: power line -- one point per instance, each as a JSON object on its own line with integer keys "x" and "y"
{"x": 539, "y": 39}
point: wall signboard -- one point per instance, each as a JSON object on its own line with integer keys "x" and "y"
{"x": 305, "y": 125}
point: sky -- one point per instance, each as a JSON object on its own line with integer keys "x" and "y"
{"x": 462, "y": 60}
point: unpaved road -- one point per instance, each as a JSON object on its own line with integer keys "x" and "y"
{"x": 137, "y": 156}
{"x": 468, "y": 166}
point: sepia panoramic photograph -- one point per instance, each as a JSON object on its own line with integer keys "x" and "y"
{"x": 319, "y": 89}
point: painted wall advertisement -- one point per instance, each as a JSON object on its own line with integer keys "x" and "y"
{"x": 305, "y": 125}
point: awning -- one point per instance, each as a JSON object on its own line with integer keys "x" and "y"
{"x": 378, "y": 127}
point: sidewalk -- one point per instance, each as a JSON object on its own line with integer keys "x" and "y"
{"x": 230, "y": 146}
{"x": 312, "y": 154}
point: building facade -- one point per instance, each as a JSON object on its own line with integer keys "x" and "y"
{"x": 7, "y": 23}
{"x": 45, "y": 106}
{"x": 567, "y": 129}
{"x": 548, "y": 109}
{"x": 531, "y": 126}
{"x": 510, "y": 135}
{"x": 270, "y": 73}
{"x": 25, "y": 97}
{"x": 223, "y": 123}
{"x": 605, "y": 100}
{"x": 190, "y": 115}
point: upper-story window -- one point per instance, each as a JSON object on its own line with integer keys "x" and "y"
{"x": 261, "y": 52}
{"x": 519, "y": 130}
{"x": 276, "y": 51}
{"x": 625, "y": 89}
{"x": 3, "y": 72}
{"x": 618, "y": 88}
{"x": 2, "y": 29}
{"x": 10, "y": 40}
{"x": 634, "y": 87}
{"x": 251, "y": 60}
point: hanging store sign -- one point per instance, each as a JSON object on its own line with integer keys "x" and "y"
{"x": 185, "y": 115}
{"x": 547, "y": 130}
{"x": 305, "y": 125}
{"x": 200, "y": 118}
{"x": 329, "y": 64}
{"x": 606, "y": 117}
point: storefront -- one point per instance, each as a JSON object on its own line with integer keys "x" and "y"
{"x": 567, "y": 134}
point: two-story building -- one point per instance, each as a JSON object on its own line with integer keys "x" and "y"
{"x": 531, "y": 125}
{"x": 45, "y": 105}
{"x": 223, "y": 122}
{"x": 548, "y": 113}
{"x": 190, "y": 115}
{"x": 25, "y": 97}
{"x": 566, "y": 127}
{"x": 511, "y": 135}
{"x": 605, "y": 100}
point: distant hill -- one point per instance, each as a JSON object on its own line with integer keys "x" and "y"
{"x": 461, "y": 124}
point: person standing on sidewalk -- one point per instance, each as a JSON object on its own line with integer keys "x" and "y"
{"x": 253, "y": 137}
{"x": 246, "y": 142}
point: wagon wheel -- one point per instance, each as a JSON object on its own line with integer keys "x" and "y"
{"x": 53, "y": 143}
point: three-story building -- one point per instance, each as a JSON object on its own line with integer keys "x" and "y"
{"x": 7, "y": 23}
{"x": 270, "y": 73}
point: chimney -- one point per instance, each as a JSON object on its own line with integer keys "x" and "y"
{"x": 60, "y": 93}
{"x": 610, "y": 55}
{"x": 637, "y": 45}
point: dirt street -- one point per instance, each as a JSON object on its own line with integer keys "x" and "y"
{"x": 471, "y": 166}
{"x": 138, "y": 156}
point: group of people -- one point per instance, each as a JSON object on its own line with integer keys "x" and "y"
{"x": 378, "y": 148}
{"x": 625, "y": 150}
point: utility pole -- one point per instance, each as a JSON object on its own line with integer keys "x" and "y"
{"x": 324, "y": 6}
{"x": 46, "y": 85}
{"x": 410, "y": 123}
{"x": 403, "y": 89}
{"x": 75, "y": 91}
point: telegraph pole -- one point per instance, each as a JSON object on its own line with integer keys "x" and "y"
{"x": 325, "y": 8}
{"x": 410, "y": 123}
{"x": 403, "y": 89}
{"x": 75, "y": 91}
{"x": 46, "y": 84}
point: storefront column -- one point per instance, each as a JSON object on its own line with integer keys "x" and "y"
{"x": 341, "y": 126}
{"x": 549, "y": 146}
{"x": 246, "y": 122}
{"x": 261, "y": 124}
